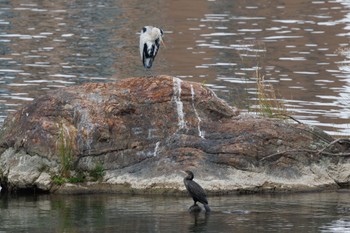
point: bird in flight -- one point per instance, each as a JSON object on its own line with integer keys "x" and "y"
{"x": 150, "y": 40}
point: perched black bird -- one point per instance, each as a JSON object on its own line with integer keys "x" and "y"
{"x": 150, "y": 39}
{"x": 196, "y": 191}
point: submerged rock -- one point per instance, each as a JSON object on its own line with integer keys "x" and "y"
{"x": 143, "y": 131}
{"x": 195, "y": 209}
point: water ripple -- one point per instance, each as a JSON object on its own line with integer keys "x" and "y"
{"x": 46, "y": 45}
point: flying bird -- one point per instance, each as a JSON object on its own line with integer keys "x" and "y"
{"x": 150, "y": 40}
{"x": 196, "y": 191}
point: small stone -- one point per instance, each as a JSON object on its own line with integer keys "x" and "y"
{"x": 44, "y": 181}
{"x": 195, "y": 209}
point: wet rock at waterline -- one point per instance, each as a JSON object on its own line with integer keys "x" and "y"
{"x": 143, "y": 131}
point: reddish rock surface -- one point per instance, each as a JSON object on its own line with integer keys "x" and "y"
{"x": 143, "y": 131}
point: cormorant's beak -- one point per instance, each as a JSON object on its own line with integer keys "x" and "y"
{"x": 184, "y": 172}
{"x": 162, "y": 42}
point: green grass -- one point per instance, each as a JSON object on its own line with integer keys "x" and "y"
{"x": 66, "y": 156}
{"x": 65, "y": 150}
{"x": 98, "y": 172}
{"x": 59, "y": 180}
{"x": 65, "y": 153}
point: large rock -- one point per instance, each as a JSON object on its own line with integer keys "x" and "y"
{"x": 144, "y": 131}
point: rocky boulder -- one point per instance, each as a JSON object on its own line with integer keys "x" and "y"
{"x": 144, "y": 131}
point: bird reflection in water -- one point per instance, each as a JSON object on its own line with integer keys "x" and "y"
{"x": 200, "y": 222}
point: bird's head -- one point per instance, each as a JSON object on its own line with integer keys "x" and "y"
{"x": 154, "y": 33}
{"x": 189, "y": 174}
{"x": 158, "y": 33}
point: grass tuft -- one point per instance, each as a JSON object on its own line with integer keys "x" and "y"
{"x": 268, "y": 103}
{"x": 98, "y": 172}
{"x": 65, "y": 150}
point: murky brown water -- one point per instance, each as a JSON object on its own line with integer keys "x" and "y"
{"x": 323, "y": 212}
{"x": 49, "y": 44}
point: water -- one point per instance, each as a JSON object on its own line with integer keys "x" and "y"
{"x": 301, "y": 47}
{"x": 323, "y": 212}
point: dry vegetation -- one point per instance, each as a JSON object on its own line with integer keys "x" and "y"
{"x": 269, "y": 104}
{"x": 268, "y": 101}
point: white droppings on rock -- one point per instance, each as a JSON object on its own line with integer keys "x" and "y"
{"x": 151, "y": 133}
{"x": 178, "y": 102}
{"x": 137, "y": 130}
{"x": 200, "y": 133}
{"x": 156, "y": 149}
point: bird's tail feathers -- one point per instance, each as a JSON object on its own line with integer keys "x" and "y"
{"x": 147, "y": 62}
{"x": 206, "y": 207}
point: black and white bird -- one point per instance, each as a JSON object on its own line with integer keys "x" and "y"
{"x": 150, "y": 40}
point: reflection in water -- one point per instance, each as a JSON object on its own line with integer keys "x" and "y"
{"x": 46, "y": 45}
{"x": 315, "y": 212}
{"x": 200, "y": 221}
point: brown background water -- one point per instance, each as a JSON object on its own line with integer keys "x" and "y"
{"x": 50, "y": 44}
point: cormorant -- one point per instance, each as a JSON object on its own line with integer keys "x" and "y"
{"x": 150, "y": 39}
{"x": 196, "y": 191}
